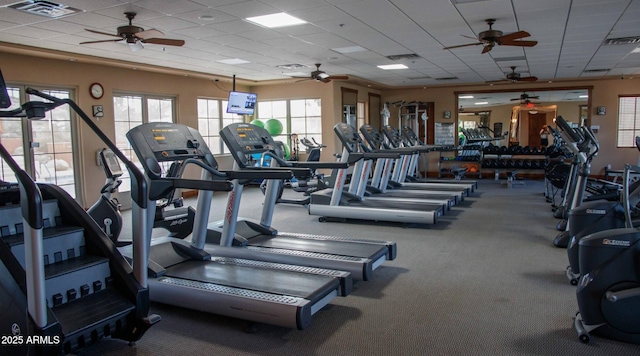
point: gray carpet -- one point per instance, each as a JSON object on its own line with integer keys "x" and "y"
{"x": 485, "y": 280}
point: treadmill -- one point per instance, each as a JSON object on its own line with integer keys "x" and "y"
{"x": 335, "y": 203}
{"x": 400, "y": 169}
{"x": 381, "y": 173}
{"x": 360, "y": 257}
{"x": 184, "y": 274}
{"x": 412, "y": 140}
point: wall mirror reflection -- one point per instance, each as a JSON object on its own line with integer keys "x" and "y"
{"x": 520, "y": 115}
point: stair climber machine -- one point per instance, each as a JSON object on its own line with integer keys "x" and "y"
{"x": 360, "y": 257}
{"x": 584, "y": 146}
{"x": 178, "y": 222}
{"x": 608, "y": 290}
{"x": 383, "y": 167}
{"x": 410, "y": 139}
{"x": 222, "y": 280}
{"x": 337, "y": 204}
{"x": 63, "y": 283}
{"x": 408, "y": 164}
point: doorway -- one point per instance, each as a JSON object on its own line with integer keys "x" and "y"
{"x": 536, "y": 121}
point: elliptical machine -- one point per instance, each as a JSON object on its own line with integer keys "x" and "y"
{"x": 584, "y": 146}
{"x": 608, "y": 291}
{"x": 600, "y": 215}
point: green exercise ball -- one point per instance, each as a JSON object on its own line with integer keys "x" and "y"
{"x": 287, "y": 151}
{"x": 273, "y": 126}
{"x": 257, "y": 123}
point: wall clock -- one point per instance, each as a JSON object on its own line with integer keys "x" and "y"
{"x": 96, "y": 90}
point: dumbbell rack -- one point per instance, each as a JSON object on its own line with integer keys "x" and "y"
{"x": 511, "y": 159}
{"x": 458, "y": 156}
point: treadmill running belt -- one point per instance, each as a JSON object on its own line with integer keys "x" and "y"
{"x": 308, "y": 286}
{"x": 319, "y": 246}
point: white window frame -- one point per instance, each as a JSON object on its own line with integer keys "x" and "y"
{"x": 628, "y": 120}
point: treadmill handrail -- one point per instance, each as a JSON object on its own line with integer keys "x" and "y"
{"x": 320, "y": 165}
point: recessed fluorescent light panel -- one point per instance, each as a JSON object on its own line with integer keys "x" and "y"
{"x": 353, "y": 49}
{"x": 393, "y": 66}
{"x": 482, "y": 103}
{"x": 276, "y": 20}
{"x": 233, "y": 61}
{"x": 465, "y": 97}
{"x": 583, "y": 96}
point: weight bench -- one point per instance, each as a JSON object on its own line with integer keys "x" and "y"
{"x": 512, "y": 179}
{"x": 458, "y": 173}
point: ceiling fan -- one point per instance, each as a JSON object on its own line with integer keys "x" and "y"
{"x": 525, "y": 97}
{"x": 514, "y": 77}
{"x": 135, "y": 36}
{"x": 492, "y": 37}
{"x": 322, "y": 76}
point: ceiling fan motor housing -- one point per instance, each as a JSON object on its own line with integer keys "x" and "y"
{"x": 490, "y": 35}
{"x": 123, "y": 31}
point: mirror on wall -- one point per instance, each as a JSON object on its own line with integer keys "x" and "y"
{"x": 520, "y": 114}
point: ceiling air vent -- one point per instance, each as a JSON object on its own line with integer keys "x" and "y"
{"x": 622, "y": 40}
{"x": 44, "y": 8}
{"x": 399, "y": 57}
{"x": 419, "y": 78}
{"x": 447, "y": 78}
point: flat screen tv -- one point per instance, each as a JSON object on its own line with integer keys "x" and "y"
{"x": 241, "y": 103}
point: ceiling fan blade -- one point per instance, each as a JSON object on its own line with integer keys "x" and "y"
{"x": 101, "y": 33}
{"x": 150, "y": 33}
{"x": 473, "y": 38}
{"x": 101, "y": 41}
{"x": 513, "y": 36}
{"x": 338, "y": 77}
{"x": 487, "y": 48}
{"x": 464, "y": 45}
{"x": 163, "y": 41}
{"x": 324, "y": 80}
{"x": 529, "y": 79}
{"x": 520, "y": 43}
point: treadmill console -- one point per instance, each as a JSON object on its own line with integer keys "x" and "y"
{"x": 410, "y": 135}
{"x": 392, "y": 135}
{"x": 373, "y": 137}
{"x": 348, "y": 136}
{"x": 246, "y": 139}
{"x": 167, "y": 142}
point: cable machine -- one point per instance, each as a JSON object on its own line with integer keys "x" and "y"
{"x": 413, "y": 114}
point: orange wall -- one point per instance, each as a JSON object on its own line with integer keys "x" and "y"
{"x": 23, "y": 69}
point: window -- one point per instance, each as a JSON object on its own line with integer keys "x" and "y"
{"x": 212, "y": 117}
{"x": 628, "y": 120}
{"x": 43, "y": 148}
{"x": 134, "y": 110}
{"x": 360, "y": 114}
{"x": 268, "y": 110}
{"x": 306, "y": 119}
